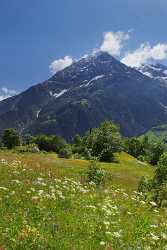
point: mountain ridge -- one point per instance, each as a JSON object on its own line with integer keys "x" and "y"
{"x": 92, "y": 89}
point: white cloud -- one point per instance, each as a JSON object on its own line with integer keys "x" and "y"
{"x": 60, "y": 64}
{"x": 5, "y": 93}
{"x": 145, "y": 54}
{"x": 113, "y": 42}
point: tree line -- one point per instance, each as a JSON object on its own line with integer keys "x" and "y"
{"x": 99, "y": 144}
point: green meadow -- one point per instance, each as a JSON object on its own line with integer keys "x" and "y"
{"x": 47, "y": 203}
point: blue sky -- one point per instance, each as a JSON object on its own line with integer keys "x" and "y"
{"x": 34, "y": 33}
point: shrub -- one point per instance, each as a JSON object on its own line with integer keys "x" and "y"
{"x": 66, "y": 152}
{"x": 161, "y": 170}
{"x": 50, "y": 143}
{"x": 144, "y": 186}
{"x": 158, "y": 185}
{"x": 144, "y": 150}
{"x": 96, "y": 174}
{"x": 160, "y": 196}
{"x": 134, "y": 147}
{"x": 104, "y": 141}
{"x": 10, "y": 138}
{"x": 157, "y": 149}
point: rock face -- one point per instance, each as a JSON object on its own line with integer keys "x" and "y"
{"x": 157, "y": 71}
{"x": 95, "y": 88}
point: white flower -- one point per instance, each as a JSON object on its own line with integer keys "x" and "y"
{"x": 102, "y": 243}
{"x": 116, "y": 234}
{"x": 129, "y": 213}
{"x": 154, "y": 237}
{"x": 164, "y": 236}
{"x": 107, "y": 223}
{"x": 40, "y": 192}
{"x": 153, "y": 203}
{"x": 155, "y": 211}
{"x": 153, "y": 226}
{"x": 4, "y": 188}
{"x": 91, "y": 206}
{"x": 17, "y": 182}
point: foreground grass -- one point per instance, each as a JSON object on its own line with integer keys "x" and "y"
{"x": 45, "y": 203}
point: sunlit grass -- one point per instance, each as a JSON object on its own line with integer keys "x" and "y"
{"x": 46, "y": 203}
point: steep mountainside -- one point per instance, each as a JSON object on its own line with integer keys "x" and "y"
{"x": 157, "y": 71}
{"x": 93, "y": 89}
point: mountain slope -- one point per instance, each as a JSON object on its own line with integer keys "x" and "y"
{"x": 157, "y": 71}
{"x": 93, "y": 89}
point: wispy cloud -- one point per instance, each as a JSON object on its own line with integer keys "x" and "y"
{"x": 113, "y": 42}
{"x": 60, "y": 64}
{"x": 145, "y": 54}
{"x": 5, "y": 93}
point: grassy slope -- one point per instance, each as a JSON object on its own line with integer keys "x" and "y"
{"x": 40, "y": 208}
{"x": 126, "y": 173}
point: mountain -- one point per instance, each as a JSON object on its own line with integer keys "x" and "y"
{"x": 155, "y": 71}
{"x": 157, "y": 133}
{"x": 92, "y": 89}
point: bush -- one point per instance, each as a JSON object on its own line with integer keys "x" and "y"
{"x": 161, "y": 170}
{"x": 157, "y": 149}
{"x": 97, "y": 175}
{"x": 66, "y": 152}
{"x": 104, "y": 141}
{"x": 144, "y": 150}
{"x": 157, "y": 187}
{"x": 145, "y": 186}
{"x": 10, "y": 138}
{"x": 160, "y": 196}
{"x": 134, "y": 147}
{"x": 50, "y": 143}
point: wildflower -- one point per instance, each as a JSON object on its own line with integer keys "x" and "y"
{"x": 116, "y": 234}
{"x": 35, "y": 198}
{"x": 155, "y": 211}
{"x": 153, "y": 226}
{"x": 3, "y": 161}
{"x": 91, "y": 206}
{"x": 102, "y": 243}
{"x": 153, "y": 203}
{"x": 17, "y": 182}
{"x": 129, "y": 213}
{"x": 107, "y": 223}
{"x": 40, "y": 192}
{"x": 154, "y": 237}
{"x": 4, "y": 188}
{"x": 164, "y": 236}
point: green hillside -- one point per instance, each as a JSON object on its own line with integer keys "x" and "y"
{"x": 158, "y": 132}
{"x": 46, "y": 203}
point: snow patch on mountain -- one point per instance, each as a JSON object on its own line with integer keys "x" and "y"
{"x": 38, "y": 112}
{"x": 157, "y": 71}
{"x": 94, "y": 79}
{"x": 164, "y": 106}
{"x": 148, "y": 74}
{"x": 57, "y": 95}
